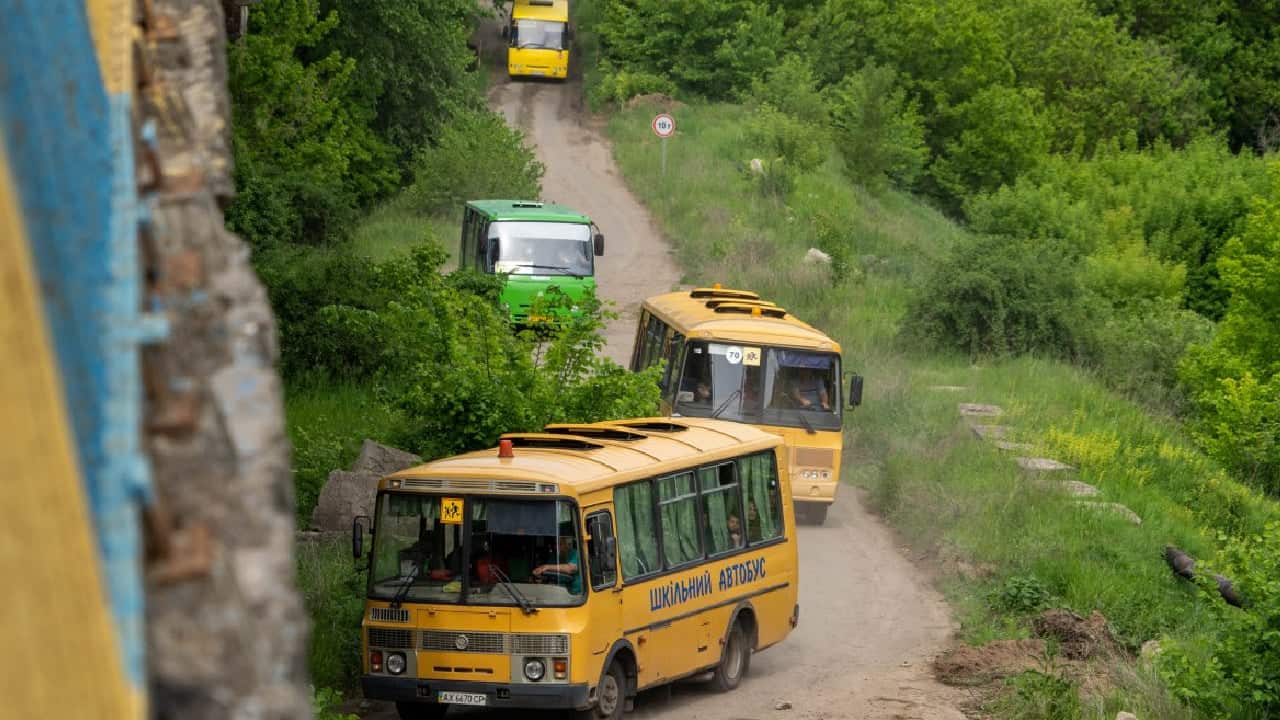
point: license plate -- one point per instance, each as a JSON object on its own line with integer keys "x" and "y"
{"x": 461, "y": 698}
{"x": 539, "y": 72}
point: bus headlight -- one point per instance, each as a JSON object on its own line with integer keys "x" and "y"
{"x": 534, "y": 669}
{"x": 395, "y": 663}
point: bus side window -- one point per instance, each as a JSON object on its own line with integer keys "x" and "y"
{"x": 602, "y": 551}
{"x": 637, "y": 534}
{"x": 637, "y": 354}
{"x": 761, "y": 491}
{"x": 655, "y": 333}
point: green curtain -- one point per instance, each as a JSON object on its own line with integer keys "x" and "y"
{"x": 760, "y": 486}
{"x": 680, "y": 541}
{"x": 636, "y": 540}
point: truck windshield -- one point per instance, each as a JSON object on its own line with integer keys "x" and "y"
{"x": 541, "y": 248}
{"x": 760, "y": 385}
{"x": 418, "y": 553}
{"x": 545, "y": 34}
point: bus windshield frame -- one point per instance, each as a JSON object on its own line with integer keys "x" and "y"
{"x": 505, "y": 543}
{"x": 760, "y": 385}
{"x": 536, "y": 33}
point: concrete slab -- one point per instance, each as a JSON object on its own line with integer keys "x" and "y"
{"x": 1041, "y": 464}
{"x": 1080, "y": 489}
{"x": 991, "y": 432}
{"x": 1012, "y": 446}
{"x": 980, "y": 410}
{"x": 948, "y": 388}
{"x": 1111, "y": 507}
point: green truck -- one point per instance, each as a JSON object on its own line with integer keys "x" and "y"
{"x": 537, "y": 245}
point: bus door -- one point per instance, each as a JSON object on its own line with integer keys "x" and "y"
{"x": 471, "y": 251}
{"x": 605, "y": 605}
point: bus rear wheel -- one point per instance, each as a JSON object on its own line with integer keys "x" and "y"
{"x": 611, "y": 696}
{"x": 734, "y": 661}
{"x": 421, "y": 711}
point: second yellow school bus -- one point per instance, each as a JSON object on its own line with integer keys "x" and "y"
{"x": 572, "y": 568}
{"x": 731, "y": 355}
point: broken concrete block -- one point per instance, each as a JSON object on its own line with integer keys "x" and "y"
{"x": 948, "y": 388}
{"x": 991, "y": 432}
{"x": 1112, "y": 507}
{"x": 380, "y": 459}
{"x": 1080, "y": 489}
{"x": 1041, "y": 464}
{"x": 345, "y": 495}
{"x": 980, "y": 410}
{"x": 1012, "y": 446}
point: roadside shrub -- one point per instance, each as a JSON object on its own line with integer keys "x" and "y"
{"x": 1236, "y": 672}
{"x": 996, "y": 296}
{"x": 790, "y": 146}
{"x": 792, "y": 87}
{"x": 1023, "y": 594}
{"x": 477, "y": 155}
{"x": 1005, "y": 134}
{"x": 333, "y": 593}
{"x": 618, "y": 86}
{"x": 1040, "y": 696}
{"x": 878, "y": 130}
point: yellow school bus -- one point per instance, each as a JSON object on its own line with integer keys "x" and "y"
{"x": 538, "y": 38}
{"x": 479, "y": 595}
{"x": 731, "y": 355}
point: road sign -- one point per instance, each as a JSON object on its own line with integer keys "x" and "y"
{"x": 664, "y": 126}
{"x": 451, "y": 511}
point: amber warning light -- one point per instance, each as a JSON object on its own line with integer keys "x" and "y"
{"x": 505, "y": 449}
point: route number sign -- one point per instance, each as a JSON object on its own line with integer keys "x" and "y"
{"x": 664, "y": 126}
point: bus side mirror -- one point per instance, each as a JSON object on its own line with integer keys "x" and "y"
{"x": 357, "y": 537}
{"x": 610, "y": 554}
{"x": 599, "y": 242}
{"x": 855, "y": 391}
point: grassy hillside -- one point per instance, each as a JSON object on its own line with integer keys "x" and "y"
{"x": 1021, "y": 545}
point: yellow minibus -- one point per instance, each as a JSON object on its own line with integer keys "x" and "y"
{"x": 572, "y": 568}
{"x": 538, "y": 38}
{"x": 733, "y": 356}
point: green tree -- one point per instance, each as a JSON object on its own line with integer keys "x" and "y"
{"x": 475, "y": 155}
{"x": 411, "y": 62}
{"x": 306, "y": 159}
{"x": 877, "y": 128}
{"x": 1006, "y": 133}
{"x": 1236, "y": 378}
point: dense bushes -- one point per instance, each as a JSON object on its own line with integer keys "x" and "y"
{"x": 476, "y": 155}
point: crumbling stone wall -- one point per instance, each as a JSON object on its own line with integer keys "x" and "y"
{"x": 226, "y": 626}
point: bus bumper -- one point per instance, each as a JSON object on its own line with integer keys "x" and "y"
{"x": 512, "y": 696}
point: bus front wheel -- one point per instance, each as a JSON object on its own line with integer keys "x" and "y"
{"x": 611, "y": 696}
{"x": 734, "y": 661}
{"x": 421, "y": 711}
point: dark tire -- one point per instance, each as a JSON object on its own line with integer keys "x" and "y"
{"x": 421, "y": 711}
{"x": 611, "y": 696}
{"x": 734, "y": 661}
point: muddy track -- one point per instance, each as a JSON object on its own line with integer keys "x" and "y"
{"x": 869, "y": 619}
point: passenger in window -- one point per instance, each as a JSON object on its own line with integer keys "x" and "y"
{"x": 753, "y": 522}
{"x": 565, "y": 573}
{"x": 702, "y": 393}
{"x": 735, "y": 531}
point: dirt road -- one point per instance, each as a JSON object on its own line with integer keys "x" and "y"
{"x": 869, "y": 620}
{"x": 581, "y": 174}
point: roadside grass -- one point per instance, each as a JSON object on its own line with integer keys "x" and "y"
{"x": 395, "y": 227}
{"x": 327, "y": 421}
{"x": 993, "y": 529}
{"x": 333, "y": 593}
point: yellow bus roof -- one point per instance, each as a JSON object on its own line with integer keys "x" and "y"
{"x": 727, "y": 314}
{"x": 585, "y": 457}
{"x": 555, "y": 10}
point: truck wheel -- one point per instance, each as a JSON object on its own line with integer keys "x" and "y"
{"x": 734, "y": 661}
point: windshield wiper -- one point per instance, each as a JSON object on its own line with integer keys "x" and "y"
{"x": 561, "y": 268}
{"x": 724, "y": 405}
{"x": 403, "y": 591}
{"x": 805, "y": 422}
{"x": 516, "y": 595}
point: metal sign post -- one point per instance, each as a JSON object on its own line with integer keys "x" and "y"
{"x": 664, "y": 126}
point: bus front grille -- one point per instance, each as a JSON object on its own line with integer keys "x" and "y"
{"x": 390, "y": 638}
{"x": 490, "y": 643}
{"x": 469, "y": 484}
{"x": 528, "y": 644}
{"x": 389, "y": 615}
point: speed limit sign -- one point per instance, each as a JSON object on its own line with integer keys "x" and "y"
{"x": 664, "y": 126}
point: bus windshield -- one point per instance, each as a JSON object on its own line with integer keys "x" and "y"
{"x": 545, "y": 34}
{"x": 520, "y": 551}
{"x": 760, "y": 385}
{"x": 541, "y": 248}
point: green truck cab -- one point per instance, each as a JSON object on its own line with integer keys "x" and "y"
{"x": 536, "y": 245}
